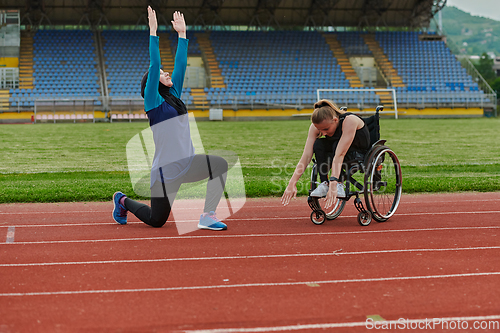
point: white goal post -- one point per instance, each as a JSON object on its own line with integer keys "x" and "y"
{"x": 358, "y": 92}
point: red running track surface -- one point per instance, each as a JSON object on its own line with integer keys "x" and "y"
{"x": 68, "y": 267}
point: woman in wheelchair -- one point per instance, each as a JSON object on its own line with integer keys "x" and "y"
{"x": 345, "y": 144}
{"x": 333, "y": 135}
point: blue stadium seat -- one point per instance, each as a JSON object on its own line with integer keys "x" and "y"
{"x": 62, "y": 59}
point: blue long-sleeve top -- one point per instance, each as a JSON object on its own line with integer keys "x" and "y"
{"x": 152, "y": 98}
{"x": 174, "y": 150}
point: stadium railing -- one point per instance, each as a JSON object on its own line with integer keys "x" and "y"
{"x": 253, "y": 102}
{"x": 472, "y": 71}
{"x": 9, "y": 77}
{"x": 65, "y": 109}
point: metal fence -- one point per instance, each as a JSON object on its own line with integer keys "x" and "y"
{"x": 259, "y": 101}
{"x": 9, "y": 78}
{"x": 65, "y": 109}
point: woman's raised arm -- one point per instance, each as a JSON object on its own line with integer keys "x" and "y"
{"x": 179, "y": 24}
{"x": 153, "y": 24}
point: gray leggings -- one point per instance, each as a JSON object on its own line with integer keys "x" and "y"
{"x": 202, "y": 167}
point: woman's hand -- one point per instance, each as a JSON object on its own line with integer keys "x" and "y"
{"x": 153, "y": 24}
{"x": 179, "y": 24}
{"x": 290, "y": 193}
{"x": 331, "y": 196}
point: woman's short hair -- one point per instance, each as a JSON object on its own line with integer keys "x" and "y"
{"x": 325, "y": 109}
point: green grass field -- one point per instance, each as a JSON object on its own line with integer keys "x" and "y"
{"x": 88, "y": 162}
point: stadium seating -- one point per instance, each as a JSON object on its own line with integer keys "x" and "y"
{"x": 194, "y": 47}
{"x": 260, "y": 69}
{"x": 353, "y": 43}
{"x": 429, "y": 70}
{"x": 64, "y": 66}
{"x": 126, "y": 59}
{"x": 284, "y": 68}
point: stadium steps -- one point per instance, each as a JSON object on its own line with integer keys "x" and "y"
{"x": 199, "y": 98}
{"x": 343, "y": 60}
{"x": 215, "y": 73}
{"x": 26, "y": 61}
{"x": 386, "y": 99}
{"x": 4, "y": 100}
{"x": 167, "y": 58}
{"x": 385, "y": 65}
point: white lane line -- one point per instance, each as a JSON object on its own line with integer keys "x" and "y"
{"x": 431, "y": 323}
{"x": 256, "y": 235}
{"x": 10, "y": 234}
{"x": 449, "y": 213}
{"x": 264, "y": 256}
{"x": 249, "y": 285}
{"x": 232, "y": 220}
{"x": 339, "y": 233}
{"x": 58, "y": 212}
{"x": 295, "y": 205}
{"x": 250, "y": 206}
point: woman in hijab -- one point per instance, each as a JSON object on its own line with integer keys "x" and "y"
{"x": 175, "y": 161}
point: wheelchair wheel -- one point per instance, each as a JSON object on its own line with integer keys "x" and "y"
{"x": 331, "y": 213}
{"x": 364, "y": 219}
{"x": 318, "y": 217}
{"x": 383, "y": 184}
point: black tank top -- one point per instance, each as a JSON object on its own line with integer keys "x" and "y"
{"x": 361, "y": 142}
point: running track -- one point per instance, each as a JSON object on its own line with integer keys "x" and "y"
{"x": 68, "y": 267}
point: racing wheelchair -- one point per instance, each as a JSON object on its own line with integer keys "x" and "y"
{"x": 381, "y": 186}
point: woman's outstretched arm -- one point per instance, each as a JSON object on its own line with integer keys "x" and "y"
{"x": 291, "y": 189}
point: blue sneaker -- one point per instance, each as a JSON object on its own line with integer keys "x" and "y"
{"x": 119, "y": 212}
{"x": 211, "y": 222}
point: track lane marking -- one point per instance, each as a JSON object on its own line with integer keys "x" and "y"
{"x": 265, "y": 256}
{"x": 250, "y": 285}
{"x": 249, "y": 206}
{"x": 341, "y": 325}
{"x": 189, "y": 209}
{"x": 265, "y": 219}
{"x": 340, "y": 233}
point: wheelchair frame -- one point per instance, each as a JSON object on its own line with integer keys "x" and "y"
{"x": 370, "y": 165}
